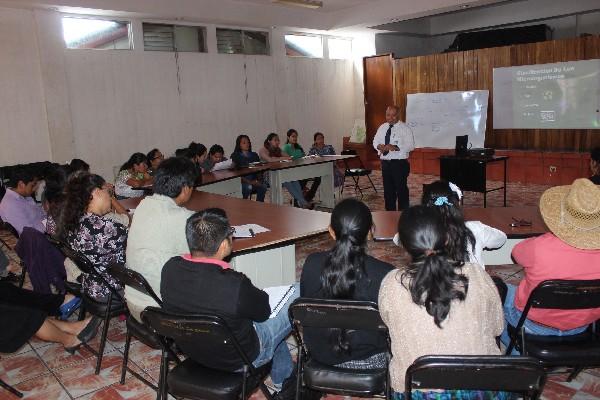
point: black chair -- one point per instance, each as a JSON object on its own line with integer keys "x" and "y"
{"x": 356, "y": 173}
{"x": 191, "y": 380}
{"x": 341, "y": 314}
{"x": 11, "y": 229}
{"x": 135, "y": 329}
{"x": 523, "y": 375}
{"x": 577, "y": 351}
{"x": 113, "y": 307}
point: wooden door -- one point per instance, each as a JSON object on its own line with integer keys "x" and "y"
{"x": 379, "y": 93}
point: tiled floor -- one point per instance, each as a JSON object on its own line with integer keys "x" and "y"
{"x": 45, "y": 371}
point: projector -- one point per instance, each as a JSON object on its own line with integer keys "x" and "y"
{"x": 482, "y": 152}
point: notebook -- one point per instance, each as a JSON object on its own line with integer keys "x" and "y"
{"x": 278, "y": 296}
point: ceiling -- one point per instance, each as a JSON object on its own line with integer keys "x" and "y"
{"x": 328, "y": 5}
{"x": 335, "y": 16}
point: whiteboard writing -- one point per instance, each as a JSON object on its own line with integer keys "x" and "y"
{"x": 437, "y": 118}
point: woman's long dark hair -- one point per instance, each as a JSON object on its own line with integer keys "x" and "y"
{"x": 294, "y": 145}
{"x": 77, "y": 197}
{"x": 460, "y": 238}
{"x": 238, "y": 149}
{"x": 351, "y": 222}
{"x": 136, "y": 158}
{"x": 431, "y": 277}
{"x": 273, "y": 152}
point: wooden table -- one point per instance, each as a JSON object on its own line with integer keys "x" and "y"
{"x": 269, "y": 259}
{"x": 304, "y": 168}
{"x": 386, "y": 226}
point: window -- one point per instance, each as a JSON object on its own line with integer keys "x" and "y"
{"x": 162, "y": 37}
{"x": 340, "y": 49}
{"x": 87, "y": 33}
{"x": 237, "y": 41}
{"x": 304, "y": 46}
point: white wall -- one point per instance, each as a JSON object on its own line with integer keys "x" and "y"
{"x": 116, "y": 102}
{"x": 23, "y": 123}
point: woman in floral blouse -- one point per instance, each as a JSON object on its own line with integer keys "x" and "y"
{"x": 83, "y": 224}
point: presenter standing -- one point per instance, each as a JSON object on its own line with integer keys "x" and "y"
{"x": 394, "y": 141}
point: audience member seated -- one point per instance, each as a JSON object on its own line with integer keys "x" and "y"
{"x": 571, "y": 251}
{"x": 133, "y": 175}
{"x": 469, "y": 237}
{"x": 242, "y": 156}
{"x": 83, "y": 225}
{"x": 202, "y": 282}
{"x": 215, "y": 156}
{"x": 294, "y": 150}
{"x": 26, "y": 314}
{"x": 346, "y": 272}
{"x": 157, "y": 231}
{"x": 154, "y": 157}
{"x": 595, "y": 165}
{"x": 17, "y": 207}
{"x": 197, "y": 152}
{"x": 271, "y": 152}
{"x": 437, "y": 305}
{"x": 78, "y": 165}
{"x": 319, "y": 148}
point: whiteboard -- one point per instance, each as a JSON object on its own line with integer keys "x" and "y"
{"x": 437, "y": 118}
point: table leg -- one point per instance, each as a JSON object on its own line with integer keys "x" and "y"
{"x": 276, "y": 189}
{"x": 505, "y": 183}
{"x": 327, "y": 190}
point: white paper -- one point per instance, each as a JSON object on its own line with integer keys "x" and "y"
{"x": 247, "y": 230}
{"x": 223, "y": 165}
{"x": 278, "y": 296}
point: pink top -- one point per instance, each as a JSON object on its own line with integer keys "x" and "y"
{"x": 547, "y": 257}
{"x": 220, "y": 263}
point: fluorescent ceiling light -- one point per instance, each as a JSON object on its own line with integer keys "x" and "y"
{"x": 314, "y": 4}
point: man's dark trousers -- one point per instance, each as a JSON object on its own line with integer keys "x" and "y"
{"x": 395, "y": 189}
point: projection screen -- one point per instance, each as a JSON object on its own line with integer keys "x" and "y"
{"x": 563, "y": 95}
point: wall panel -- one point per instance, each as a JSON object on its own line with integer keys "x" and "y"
{"x": 471, "y": 70}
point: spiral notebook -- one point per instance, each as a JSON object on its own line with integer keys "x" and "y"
{"x": 278, "y": 296}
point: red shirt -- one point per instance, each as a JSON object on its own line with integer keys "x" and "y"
{"x": 547, "y": 257}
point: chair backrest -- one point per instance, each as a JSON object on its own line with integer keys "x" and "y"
{"x": 565, "y": 295}
{"x": 206, "y": 328}
{"x": 495, "y": 373}
{"x": 134, "y": 279}
{"x": 341, "y": 314}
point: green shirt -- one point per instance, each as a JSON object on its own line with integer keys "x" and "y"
{"x": 295, "y": 153}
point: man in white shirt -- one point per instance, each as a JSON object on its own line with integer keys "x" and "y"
{"x": 394, "y": 141}
{"x": 157, "y": 231}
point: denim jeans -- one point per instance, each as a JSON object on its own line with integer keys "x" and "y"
{"x": 260, "y": 191}
{"x": 512, "y": 316}
{"x": 296, "y": 191}
{"x": 271, "y": 335}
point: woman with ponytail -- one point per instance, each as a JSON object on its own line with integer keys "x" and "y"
{"x": 437, "y": 304}
{"x": 346, "y": 272}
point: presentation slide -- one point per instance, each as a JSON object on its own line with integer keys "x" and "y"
{"x": 563, "y": 95}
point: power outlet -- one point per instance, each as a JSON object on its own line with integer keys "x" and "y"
{"x": 552, "y": 169}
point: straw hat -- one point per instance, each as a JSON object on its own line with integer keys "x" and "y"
{"x": 573, "y": 213}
